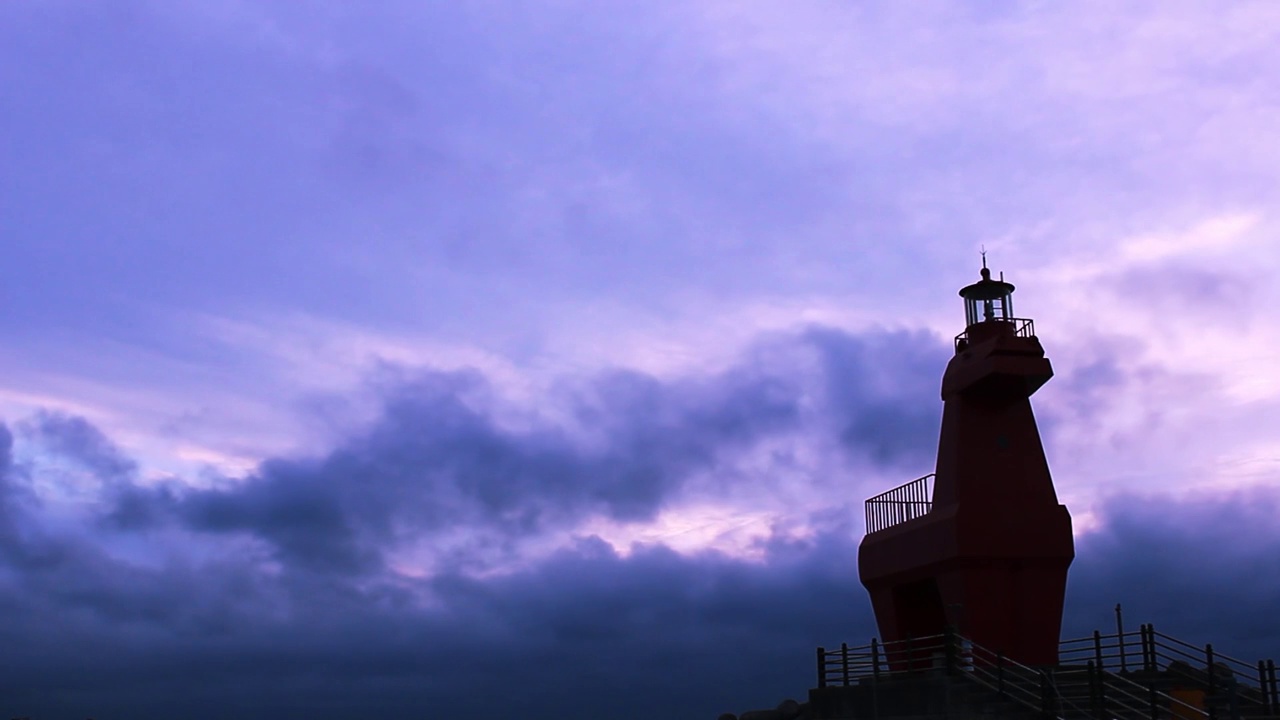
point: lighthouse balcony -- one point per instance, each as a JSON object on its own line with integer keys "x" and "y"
{"x": 1007, "y": 327}
{"x": 905, "y": 502}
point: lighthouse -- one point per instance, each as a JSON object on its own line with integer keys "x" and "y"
{"x": 982, "y": 545}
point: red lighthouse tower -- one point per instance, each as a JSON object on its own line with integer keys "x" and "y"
{"x": 988, "y": 552}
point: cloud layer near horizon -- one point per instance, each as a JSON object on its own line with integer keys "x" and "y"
{"x": 326, "y": 585}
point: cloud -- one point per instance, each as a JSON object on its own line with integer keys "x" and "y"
{"x": 215, "y": 630}
{"x": 437, "y": 458}
{"x": 271, "y": 596}
{"x": 448, "y": 450}
{"x": 74, "y": 439}
{"x": 1201, "y": 567}
{"x": 11, "y": 493}
{"x": 649, "y": 632}
{"x": 884, "y": 387}
{"x": 654, "y": 632}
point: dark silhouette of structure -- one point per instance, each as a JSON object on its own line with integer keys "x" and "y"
{"x": 987, "y": 554}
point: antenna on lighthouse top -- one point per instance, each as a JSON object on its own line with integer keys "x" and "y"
{"x": 984, "y": 257}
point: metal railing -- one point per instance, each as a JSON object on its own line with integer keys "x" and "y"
{"x": 948, "y": 653}
{"x": 1013, "y": 680}
{"x": 1067, "y": 692}
{"x": 841, "y": 667}
{"x": 1022, "y": 327}
{"x": 1108, "y": 695}
{"x": 1224, "y": 684}
{"x": 905, "y": 502}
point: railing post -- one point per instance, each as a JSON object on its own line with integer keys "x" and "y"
{"x": 1151, "y": 700}
{"x": 822, "y": 666}
{"x": 1047, "y": 704}
{"x": 1101, "y": 676}
{"x": 1212, "y": 700}
{"x": 1142, "y": 646}
{"x": 1153, "y": 648}
{"x": 949, "y": 649}
{"x": 1092, "y": 677}
{"x": 1044, "y": 696}
{"x": 875, "y": 679}
{"x": 844, "y": 663}
{"x": 1000, "y": 672}
{"x": 1275, "y": 689}
{"x": 1148, "y": 651}
{"x": 1124, "y": 667}
{"x": 1097, "y": 648}
{"x": 1093, "y": 690}
{"x": 1262, "y": 685}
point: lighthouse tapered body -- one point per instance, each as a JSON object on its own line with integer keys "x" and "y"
{"x": 988, "y": 554}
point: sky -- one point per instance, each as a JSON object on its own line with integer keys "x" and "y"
{"x": 430, "y": 359}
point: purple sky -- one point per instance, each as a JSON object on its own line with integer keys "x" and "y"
{"x": 367, "y": 357}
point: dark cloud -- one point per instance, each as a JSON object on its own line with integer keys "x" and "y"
{"x": 77, "y": 440}
{"x": 584, "y": 631}
{"x": 12, "y": 494}
{"x": 296, "y": 581}
{"x": 441, "y": 454}
{"x": 1204, "y": 567}
{"x": 438, "y": 458}
{"x": 885, "y": 390}
{"x": 1081, "y": 395}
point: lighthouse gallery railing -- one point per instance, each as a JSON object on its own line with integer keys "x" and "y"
{"x": 1022, "y": 327}
{"x": 903, "y": 503}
